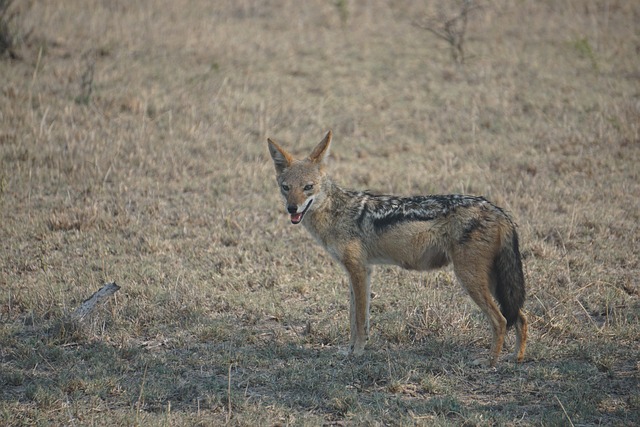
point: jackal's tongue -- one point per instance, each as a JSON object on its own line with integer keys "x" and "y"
{"x": 296, "y": 217}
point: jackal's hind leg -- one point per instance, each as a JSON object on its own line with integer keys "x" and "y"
{"x": 476, "y": 282}
{"x": 521, "y": 337}
{"x": 498, "y": 326}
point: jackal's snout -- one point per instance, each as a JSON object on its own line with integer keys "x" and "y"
{"x": 297, "y": 211}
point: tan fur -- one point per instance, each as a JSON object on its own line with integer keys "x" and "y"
{"x": 471, "y": 236}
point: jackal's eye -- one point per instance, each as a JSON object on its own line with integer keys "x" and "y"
{"x": 285, "y": 187}
{"x": 308, "y": 187}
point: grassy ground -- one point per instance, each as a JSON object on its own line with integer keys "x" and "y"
{"x": 133, "y": 149}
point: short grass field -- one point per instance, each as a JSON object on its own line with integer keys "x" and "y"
{"x": 133, "y": 150}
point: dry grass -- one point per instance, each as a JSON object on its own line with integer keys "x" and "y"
{"x": 132, "y": 149}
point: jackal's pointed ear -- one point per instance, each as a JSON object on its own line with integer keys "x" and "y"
{"x": 281, "y": 159}
{"x": 322, "y": 150}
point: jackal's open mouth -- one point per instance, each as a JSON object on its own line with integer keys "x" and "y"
{"x": 297, "y": 217}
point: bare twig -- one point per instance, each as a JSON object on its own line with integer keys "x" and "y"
{"x": 140, "y": 401}
{"x": 453, "y": 30}
{"x": 98, "y": 297}
{"x": 229, "y": 394}
{"x": 564, "y": 410}
{"x": 11, "y": 31}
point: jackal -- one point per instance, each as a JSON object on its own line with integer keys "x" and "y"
{"x": 360, "y": 229}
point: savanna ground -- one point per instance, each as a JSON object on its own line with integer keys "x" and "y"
{"x": 133, "y": 149}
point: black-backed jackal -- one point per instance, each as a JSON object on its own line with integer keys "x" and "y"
{"x": 418, "y": 233}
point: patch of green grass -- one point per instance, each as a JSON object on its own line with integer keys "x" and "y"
{"x": 584, "y": 49}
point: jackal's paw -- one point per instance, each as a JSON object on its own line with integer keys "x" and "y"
{"x": 356, "y": 349}
{"x": 344, "y": 351}
{"x": 484, "y": 362}
{"x": 479, "y": 362}
{"x": 515, "y": 358}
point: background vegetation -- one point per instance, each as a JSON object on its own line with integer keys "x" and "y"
{"x": 133, "y": 149}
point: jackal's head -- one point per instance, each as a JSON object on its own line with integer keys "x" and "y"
{"x": 301, "y": 181}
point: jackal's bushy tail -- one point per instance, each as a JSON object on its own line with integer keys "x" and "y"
{"x": 507, "y": 269}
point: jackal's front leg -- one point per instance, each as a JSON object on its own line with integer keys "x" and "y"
{"x": 359, "y": 274}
